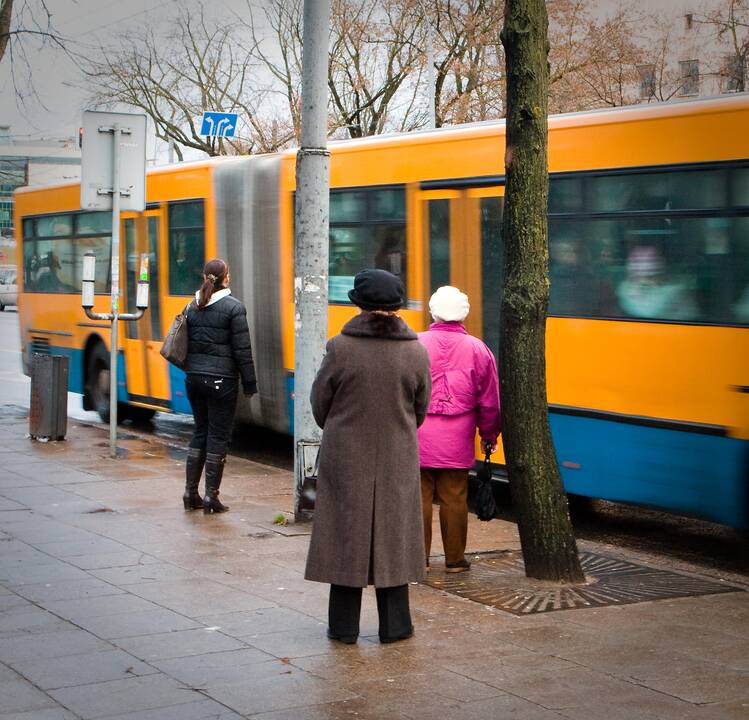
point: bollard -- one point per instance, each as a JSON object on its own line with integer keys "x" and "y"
{"x": 48, "y": 416}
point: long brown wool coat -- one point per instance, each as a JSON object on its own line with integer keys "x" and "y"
{"x": 370, "y": 395}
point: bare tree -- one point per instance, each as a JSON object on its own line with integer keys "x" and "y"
{"x": 469, "y": 60}
{"x": 728, "y": 22}
{"x": 594, "y": 61}
{"x": 283, "y": 59}
{"x": 200, "y": 66}
{"x": 25, "y": 27}
{"x": 375, "y": 47}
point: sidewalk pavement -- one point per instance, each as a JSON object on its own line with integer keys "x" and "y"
{"x": 116, "y": 603}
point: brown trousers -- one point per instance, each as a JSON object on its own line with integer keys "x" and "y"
{"x": 452, "y": 494}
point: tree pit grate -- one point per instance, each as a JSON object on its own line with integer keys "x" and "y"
{"x": 497, "y": 579}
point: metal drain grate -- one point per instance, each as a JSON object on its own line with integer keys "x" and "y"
{"x": 498, "y": 579}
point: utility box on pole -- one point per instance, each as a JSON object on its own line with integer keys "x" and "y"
{"x": 311, "y": 236}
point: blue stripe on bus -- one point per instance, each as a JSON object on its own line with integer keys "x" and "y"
{"x": 686, "y": 472}
{"x": 180, "y": 403}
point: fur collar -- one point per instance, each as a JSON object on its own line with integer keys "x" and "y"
{"x": 388, "y": 327}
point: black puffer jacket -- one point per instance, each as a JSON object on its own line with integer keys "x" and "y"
{"x": 219, "y": 342}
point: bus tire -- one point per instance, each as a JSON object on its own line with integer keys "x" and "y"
{"x": 97, "y": 382}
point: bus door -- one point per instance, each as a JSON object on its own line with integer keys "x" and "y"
{"x": 147, "y": 371}
{"x": 463, "y": 248}
{"x": 462, "y": 233}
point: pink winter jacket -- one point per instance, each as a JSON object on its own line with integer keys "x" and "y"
{"x": 465, "y": 395}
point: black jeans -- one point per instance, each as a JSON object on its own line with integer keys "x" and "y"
{"x": 213, "y": 400}
{"x": 393, "y": 610}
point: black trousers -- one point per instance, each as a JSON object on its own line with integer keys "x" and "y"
{"x": 213, "y": 400}
{"x": 344, "y": 610}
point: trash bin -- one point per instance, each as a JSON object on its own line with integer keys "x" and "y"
{"x": 49, "y": 396}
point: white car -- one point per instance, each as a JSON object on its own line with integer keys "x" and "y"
{"x": 8, "y": 287}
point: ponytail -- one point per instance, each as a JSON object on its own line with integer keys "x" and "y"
{"x": 214, "y": 273}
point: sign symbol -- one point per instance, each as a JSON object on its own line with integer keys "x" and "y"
{"x": 217, "y": 124}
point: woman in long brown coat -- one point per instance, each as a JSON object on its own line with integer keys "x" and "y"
{"x": 370, "y": 396}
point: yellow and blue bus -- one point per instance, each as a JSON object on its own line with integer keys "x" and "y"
{"x": 647, "y": 335}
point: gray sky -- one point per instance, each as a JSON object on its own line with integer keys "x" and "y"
{"x": 89, "y": 23}
{"x": 85, "y": 24}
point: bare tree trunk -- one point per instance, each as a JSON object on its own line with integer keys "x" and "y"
{"x": 548, "y": 543}
{"x": 6, "y": 15}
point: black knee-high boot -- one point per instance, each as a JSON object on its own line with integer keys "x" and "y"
{"x": 193, "y": 471}
{"x": 214, "y": 470}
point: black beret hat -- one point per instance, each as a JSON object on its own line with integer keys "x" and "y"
{"x": 377, "y": 290}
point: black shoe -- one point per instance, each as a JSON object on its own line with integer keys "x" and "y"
{"x": 404, "y": 636}
{"x": 457, "y": 567}
{"x": 193, "y": 470}
{"x": 346, "y": 639}
{"x": 214, "y": 470}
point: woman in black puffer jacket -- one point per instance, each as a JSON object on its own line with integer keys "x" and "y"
{"x": 218, "y": 355}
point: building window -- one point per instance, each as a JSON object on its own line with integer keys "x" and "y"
{"x": 734, "y": 74}
{"x": 690, "y": 77}
{"x": 647, "y": 81}
{"x": 689, "y": 21}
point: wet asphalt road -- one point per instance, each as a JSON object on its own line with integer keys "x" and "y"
{"x": 648, "y": 531}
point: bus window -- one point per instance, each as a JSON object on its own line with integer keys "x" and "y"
{"x": 367, "y": 229}
{"x": 132, "y": 265}
{"x": 439, "y": 244}
{"x": 673, "y": 190}
{"x": 49, "y": 266}
{"x": 186, "y": 247}
{"x": 741, "y": 187}
{"x": 676, "y": 268}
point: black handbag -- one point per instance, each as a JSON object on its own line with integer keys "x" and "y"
{"x": 486, "y": 507}
{"x": 174, "y": 347}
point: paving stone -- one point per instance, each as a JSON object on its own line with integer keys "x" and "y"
{"x": 197, "y": 597}
{"x": 135, "y": 624}
{"x": 195, "y": 669}
{"x": 101, "y": 561}
{"x": 262, "y": 621}
{"x": 92, "y": 607}
{"x": 119, "y": 697}
{"x": 53, "y": 644}
{"x": 179, "y": 644}
{"x": 53, "y": 713}
{"x": 153, "y": 571}
{"x": 67, "y": 590}
{"x": 273, "y": 686}
{"x": 199, "y": 710}
{"x": 28, "y": 619}
{"x": 21, "y": 696}
{"x": 84, "y": 669}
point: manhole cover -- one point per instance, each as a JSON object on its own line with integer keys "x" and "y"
{"x": 497, "y": 579}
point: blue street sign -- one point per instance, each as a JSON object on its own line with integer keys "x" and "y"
{"x": 218, "y": 124}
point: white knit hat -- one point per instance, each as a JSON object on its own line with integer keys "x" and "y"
{"x": 448, "y": 304}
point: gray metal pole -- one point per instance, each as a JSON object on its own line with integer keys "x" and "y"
{"x": 311, "y": 232}
{"x": 115, "y": 291}
{"x": 430, "y": 73}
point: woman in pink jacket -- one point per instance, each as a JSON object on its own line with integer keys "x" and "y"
{"x": 465, "y": 396}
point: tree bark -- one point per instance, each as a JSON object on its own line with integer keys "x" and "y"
{"x": 6, "y": 15}
{"x": 547, "y": 539}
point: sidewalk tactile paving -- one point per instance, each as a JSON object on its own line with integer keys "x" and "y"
{"x": 497, "y": 579}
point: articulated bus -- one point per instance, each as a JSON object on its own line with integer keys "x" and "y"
{"x": 647, "y": 335}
